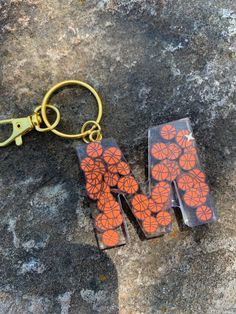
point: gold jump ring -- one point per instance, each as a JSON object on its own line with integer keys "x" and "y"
{"x": 91, "y": 132}
{"x": 58, "y": 118}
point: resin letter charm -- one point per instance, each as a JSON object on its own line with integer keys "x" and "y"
{"x": 174, "y": 159}
{"x": 175, "y": 180}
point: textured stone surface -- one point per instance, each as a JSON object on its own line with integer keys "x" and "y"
{"x": 152, "y": 62}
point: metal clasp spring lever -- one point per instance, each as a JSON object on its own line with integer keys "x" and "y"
{"x": 21, "y": 126}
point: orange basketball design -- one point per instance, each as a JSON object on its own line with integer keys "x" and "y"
{"x": 173, "y": 169}
{"x": 105, "y": 189}
{"x": 112, "y": 155}
{"x": 150, "y": 225}
{"x": 183, "y": 138}
{"x": 117, "y": 221}
{"x": 168, "y": 132}
{"x": 94, "y": 150}
{"x": 141, "y": 215}
{"x": 112, "y": 209}
{"x": 103, "y": 200}
{"x": 123, "y": 168}
{"x": 204, "y": 213}
{"x": 95, "y": 180}
{"x": 156, "y": 207}
{"x": 163, "y": 218}
{"x": 113, "y": 168}
{"x": 102, "y": 222}
{"x": 93, "y": 188}
{"x": 198, "y": 176}
{"x": 174, "y": 151}
{"x": 111, "y": 178}
{"x": 203, "y": 188}
{"x": 121, "y": 183}
{"x": 185, "y": 182}
{"x": 87, "y": 164}
{"x": 161, "y": 192}
{"x": 98, "y": 223}
{"x": 190, "y": 150}
{"x": 187, "y": 161}
{"x": 128, "y": 184}
{"x": 93, "y": 196}
{"x": 131, "y": 185}
{"x": 110, "y": 238}
{"x": 140, "y": 202}
{"x": 159, "y": 151}
{"x": 93, "y": 177}
{"x": 160, "y": 172}
{"x": 193, "y": 198}
{"x": 164, "y": 185}
{"x": 99, "y": 167}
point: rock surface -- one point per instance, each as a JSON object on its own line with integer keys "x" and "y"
{"x": 152, "y": 62}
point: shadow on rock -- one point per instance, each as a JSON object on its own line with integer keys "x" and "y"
{"x": 79, "y": 277}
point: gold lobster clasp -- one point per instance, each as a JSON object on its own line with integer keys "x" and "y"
{"x": 21, "y": 126}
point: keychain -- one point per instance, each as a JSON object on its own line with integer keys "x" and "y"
{"x": 176, "y": 179}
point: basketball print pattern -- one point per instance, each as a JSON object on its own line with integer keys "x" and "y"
{"x": 103, "y": 168}
{"x": 108, "y": 175}
{"x": 174, "y": 160}
{"x": 175, "y": 179}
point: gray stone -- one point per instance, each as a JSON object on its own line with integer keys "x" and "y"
{"x": 152, "y": 62}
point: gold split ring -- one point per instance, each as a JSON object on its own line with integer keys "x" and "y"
{"x": 38, "y": 117}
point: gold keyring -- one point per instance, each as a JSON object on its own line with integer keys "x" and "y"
{"x": 93, "y": 131}
{"x": 58, "y": 118}
{"x": 56, "y": 88}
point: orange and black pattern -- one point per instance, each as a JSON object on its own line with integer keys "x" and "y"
{"x": 108, "y": 176}
{"x": 105, "y": 170}
{"x": 173, "y": 167}
{"x": 174, "y": 162}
